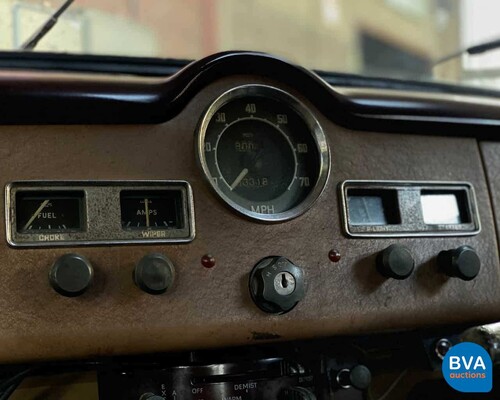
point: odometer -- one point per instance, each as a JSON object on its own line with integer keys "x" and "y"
{"x": 263, "y": 152}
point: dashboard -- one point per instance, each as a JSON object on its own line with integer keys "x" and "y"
{"x": 241, "y": 201}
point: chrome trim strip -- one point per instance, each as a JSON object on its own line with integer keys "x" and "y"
{"x": 370, "y": 96}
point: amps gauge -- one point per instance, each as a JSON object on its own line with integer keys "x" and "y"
{"x": 82, "y": 213}
{"x": 151, "y": 209}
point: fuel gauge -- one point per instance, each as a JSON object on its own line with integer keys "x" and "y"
{"x": 49, "y": 211}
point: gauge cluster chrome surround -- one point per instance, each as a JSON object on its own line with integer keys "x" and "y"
{"x": 310, "y": 120}
{"x": 411, "y": 224}
{"x": 102, "y": 219}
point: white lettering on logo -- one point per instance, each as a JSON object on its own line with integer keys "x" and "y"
{"x": 467, "y": 363}
{"x": 454, "y": 362}
{"x": 479, "y": 363}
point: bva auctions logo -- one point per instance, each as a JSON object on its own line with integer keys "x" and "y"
{"x": 467, "y": 367}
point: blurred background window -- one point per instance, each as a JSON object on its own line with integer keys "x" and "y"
{"x": 383, "y": 38}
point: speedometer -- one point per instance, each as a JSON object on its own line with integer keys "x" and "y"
{"x": 263, "y": 152}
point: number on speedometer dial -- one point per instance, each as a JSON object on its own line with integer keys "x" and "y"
{"x": 263, "y": 152}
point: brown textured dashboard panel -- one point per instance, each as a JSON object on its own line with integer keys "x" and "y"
{"x": 491, "y": 160}
{"x": 212, "y": 307}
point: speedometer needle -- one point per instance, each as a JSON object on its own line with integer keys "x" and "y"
{"x": 239, "y": 178}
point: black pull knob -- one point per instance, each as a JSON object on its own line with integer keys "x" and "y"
{"x": 462, "y": 262}
{"x": 276, "y": 285}
{"x": 358, "y": 377}
{"x": 296, "y": 393}
{"x": 154, "y": 273}
{"x": 71, "y": 275}
{"x": 395, "y": 262}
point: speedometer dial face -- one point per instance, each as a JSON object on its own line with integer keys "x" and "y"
{"x": 263, "y": 152}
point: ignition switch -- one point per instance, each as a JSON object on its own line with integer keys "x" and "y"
{"x": 276, "y": 285}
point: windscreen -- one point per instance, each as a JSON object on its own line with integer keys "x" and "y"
{"x": 381, "y": 38}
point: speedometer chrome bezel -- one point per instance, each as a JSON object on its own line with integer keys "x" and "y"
{"x": 311, "y": 122}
